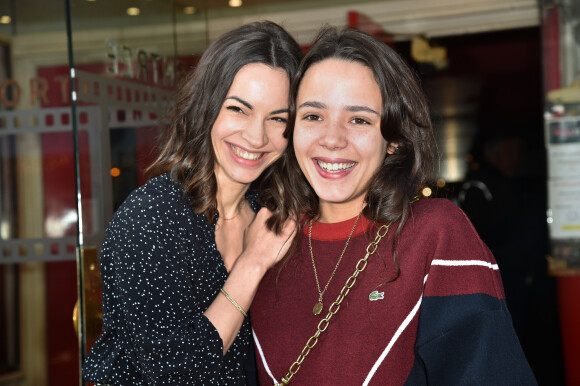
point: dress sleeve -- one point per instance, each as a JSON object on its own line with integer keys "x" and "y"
{"x": 157, "y": 312}
{"x": 465, "y": 334}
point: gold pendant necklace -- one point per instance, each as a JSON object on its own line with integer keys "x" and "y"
{"x": 323, "y": 324}
{"x": 319, "y": 306}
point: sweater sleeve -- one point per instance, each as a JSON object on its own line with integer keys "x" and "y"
{"x": 465, "y": 334}
{"x": 155, "y": 305}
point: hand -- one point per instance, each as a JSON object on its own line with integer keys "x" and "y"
{"x": 262, "y": 249}
{"x": 265, "y": 246}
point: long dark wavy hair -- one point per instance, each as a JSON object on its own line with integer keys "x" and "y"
{"x": 405, "y": 120}
{"x": 186, "y": 149}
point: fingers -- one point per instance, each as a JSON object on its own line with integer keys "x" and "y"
{"x": 260, "y": 241}
{"x": 262, "y": 217}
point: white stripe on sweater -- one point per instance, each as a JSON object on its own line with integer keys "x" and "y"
{"x": 409, "y": 318}
{"x": 261, "y": 352}
{"x": 402, "y": 327}
{"x": 398, "y": 333}
{"x": 462, "y": 263}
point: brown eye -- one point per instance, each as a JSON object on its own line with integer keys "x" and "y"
{"x": 312, "y": 117}
{"x": 360, "y": 121}
{"x": 279, "y": 120}
{"x": 235, "y": 109}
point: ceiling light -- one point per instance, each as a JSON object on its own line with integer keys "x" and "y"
{"x": 235, "y": 3}
{"x": 189, "y": 10}
{"x": 133, "y": 11}
{"x": 5, "y": 19}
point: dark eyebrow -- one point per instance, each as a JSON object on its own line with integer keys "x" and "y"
{"x": 355, "y": 109}
{"x": 316, "y": 105}
{"x": 241, "y": 101}
{"x": 280, "y": 111}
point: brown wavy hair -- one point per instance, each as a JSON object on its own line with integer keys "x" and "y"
{"x": 186, "y": 149}
{"x": 405, "y": 120}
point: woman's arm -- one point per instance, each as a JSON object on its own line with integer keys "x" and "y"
{"x": 465, "y": 333}
{"x": 153, "y": 291}
{"x": 160, "y": 276}
{"x": 262, "y": 250}
{"x": 481, "y": 348}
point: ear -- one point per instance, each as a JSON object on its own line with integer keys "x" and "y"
{"x": 392, "y": 147}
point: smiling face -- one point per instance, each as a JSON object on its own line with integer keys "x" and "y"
{"x": 337, "y": 137}
{"x": 247, "y": 134}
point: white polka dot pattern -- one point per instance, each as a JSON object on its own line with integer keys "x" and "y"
{"x": 161, "y": 270}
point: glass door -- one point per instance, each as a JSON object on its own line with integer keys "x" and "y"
{"x": 84, "y": 86}
{"x": 126, "y": 59}
{"x": 37, "y": 211}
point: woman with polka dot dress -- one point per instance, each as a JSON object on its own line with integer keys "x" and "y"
{"x": 184, "y": 254}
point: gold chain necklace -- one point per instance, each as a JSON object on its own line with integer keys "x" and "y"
{"x": 334, "y": 307}
{"x": 318, "y": 306}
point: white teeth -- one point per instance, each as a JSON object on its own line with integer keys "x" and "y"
{"x": 335, "y": 167}
{"x": 245, "y": 155}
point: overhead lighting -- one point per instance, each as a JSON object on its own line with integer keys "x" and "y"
{"x": 423, "y": 52}
{"x": 133, "y": 11}
{"x": 235, "y": 3}
{"x": 5, "y": 19}
{"x": 189, "y": 10}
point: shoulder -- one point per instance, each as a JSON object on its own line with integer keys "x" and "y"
{"x": 447, "y": 246}
{"x": 160, "y": 187}
{"x": 438, "y": 212}
{"x": 159, "y": 201}
{"x": 442, "y": 226}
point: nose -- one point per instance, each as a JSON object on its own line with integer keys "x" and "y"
{"x": 333, "y": 136}
{"x": 255, "y": 133}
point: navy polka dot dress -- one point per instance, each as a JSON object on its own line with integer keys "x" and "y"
{"x": 161, "y": 270}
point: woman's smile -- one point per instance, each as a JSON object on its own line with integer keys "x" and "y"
{"x": 336, "y": 168}
{"x": 246, "y": 154}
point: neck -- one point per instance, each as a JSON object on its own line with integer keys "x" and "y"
{"x": 229, "y": 198}
{"x": 337, "y": 212}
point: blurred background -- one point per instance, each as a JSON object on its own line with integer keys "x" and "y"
{"x": 85, "y": 84}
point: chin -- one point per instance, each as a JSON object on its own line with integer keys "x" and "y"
{"x": 333, "y": 198}
{"x": 247, "y": 179}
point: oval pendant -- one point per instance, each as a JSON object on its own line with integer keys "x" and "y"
{"x": 317, "y": 308}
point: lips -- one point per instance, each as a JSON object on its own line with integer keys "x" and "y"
{"x": 247, "y": 155}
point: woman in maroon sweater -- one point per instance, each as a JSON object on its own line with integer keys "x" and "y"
{"x": 382, "y": 288}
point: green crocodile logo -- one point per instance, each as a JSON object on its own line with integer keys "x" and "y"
{"x": 376, "y": 295}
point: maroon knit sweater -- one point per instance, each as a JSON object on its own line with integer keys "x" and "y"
{"x": 443, "y": 320}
